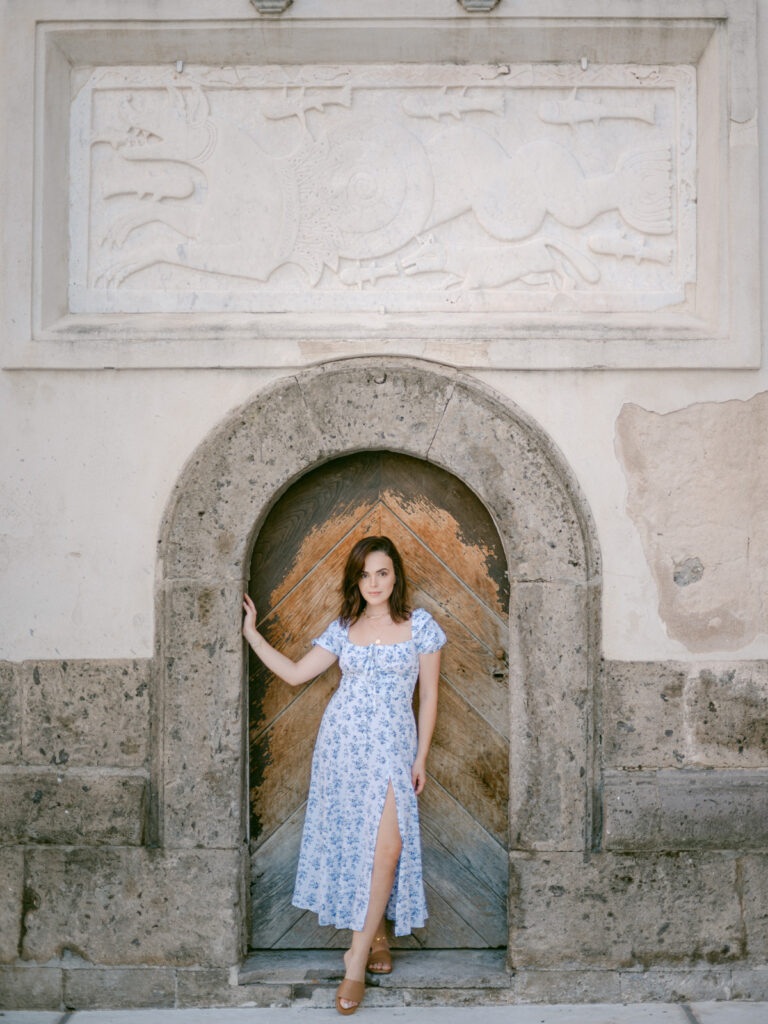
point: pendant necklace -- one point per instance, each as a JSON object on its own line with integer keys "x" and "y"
{"x": 373, "y": 618}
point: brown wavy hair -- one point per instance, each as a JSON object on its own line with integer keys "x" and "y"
{"x": 352, "y": 602}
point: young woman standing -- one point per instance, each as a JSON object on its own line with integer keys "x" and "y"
{"x": 360, "y": 855}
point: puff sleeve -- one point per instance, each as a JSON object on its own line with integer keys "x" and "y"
{"x": 332, "y": 639}
{"x": 427, "y": 635}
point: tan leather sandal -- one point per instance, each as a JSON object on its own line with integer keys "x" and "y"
{"x": 379, "y": 955}
{"x": 352, "y": 991}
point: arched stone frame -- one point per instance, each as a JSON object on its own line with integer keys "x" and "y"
{"x": 199, "y": 721}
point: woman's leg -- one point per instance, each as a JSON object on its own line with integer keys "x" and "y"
{"x": 385, "y": 858}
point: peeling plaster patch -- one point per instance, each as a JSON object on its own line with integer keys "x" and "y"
{"x": 698, "y": 491}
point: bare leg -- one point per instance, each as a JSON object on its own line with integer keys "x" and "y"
{"x": 381, "y": 932}
{"x": 385, "y": 858}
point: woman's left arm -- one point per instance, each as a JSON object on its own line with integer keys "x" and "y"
{"x": 429, "y": 673}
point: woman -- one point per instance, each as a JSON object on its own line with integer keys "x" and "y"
{"x": 360, "y": 851}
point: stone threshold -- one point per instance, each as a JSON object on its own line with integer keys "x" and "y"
{"x": 411, "y": 969}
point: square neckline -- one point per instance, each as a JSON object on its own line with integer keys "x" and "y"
{"x": 373, "y": 643}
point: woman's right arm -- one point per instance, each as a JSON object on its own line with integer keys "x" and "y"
{"x": 292, "y": 672}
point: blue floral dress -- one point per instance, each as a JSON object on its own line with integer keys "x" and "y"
{"x": 367, "y": 736}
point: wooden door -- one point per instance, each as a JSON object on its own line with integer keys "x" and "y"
{"x": 457, "y": 571}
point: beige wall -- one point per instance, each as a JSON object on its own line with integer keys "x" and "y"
{"x": 90, "y": 457}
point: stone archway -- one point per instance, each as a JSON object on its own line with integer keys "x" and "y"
{"x": 199, "y": 765}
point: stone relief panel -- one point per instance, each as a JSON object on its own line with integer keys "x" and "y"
{"x": 700, "y": 512}
{"x": 509, "y": 188}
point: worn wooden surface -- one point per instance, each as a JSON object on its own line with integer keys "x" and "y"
{"x": 456, "y": 569}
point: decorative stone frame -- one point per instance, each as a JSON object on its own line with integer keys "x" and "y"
{"x": 48, "y": 40}
{"x": 199, "y": 705}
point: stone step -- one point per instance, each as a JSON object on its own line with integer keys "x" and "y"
{"x": 307, "y": 970}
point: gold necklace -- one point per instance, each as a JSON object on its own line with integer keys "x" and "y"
{"x": 375, "y": 618}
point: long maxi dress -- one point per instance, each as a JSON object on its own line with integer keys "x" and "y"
{"x": 366, "y": 738}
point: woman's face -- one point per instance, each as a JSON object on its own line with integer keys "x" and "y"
{"x": 377, "y": 580}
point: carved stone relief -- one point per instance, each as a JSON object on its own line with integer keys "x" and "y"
{"x": 525, "y": 188}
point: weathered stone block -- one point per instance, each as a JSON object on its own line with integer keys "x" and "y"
{"x": 362, "y": 406}
{"x": 749, "y": 983}
{"x": 211, "y": 987}
{"x": 203, "y": 699}
{"x": 623, "y": 911}
{"x": 95, "y": 987}
{"x": 679, "y": 809}
{"x": 11, "y": 889}
{"x": 567, "y": 986}
{"x": 674, "y": 986}
{"x": 86, "y": 712}
{"x": 551, "y": 751}
{"x": 643, "y": 714}
{"x": 76, "y": 807}
{"x": 517, "y": 472}
{"x": 10, "y": 714}
{"x": 133, "y": 905}
{"x": 727, "y": 707}
{"x": 755, "y": 890}
{"x": 30, "y": 988}
{"x": 456, "y": 997}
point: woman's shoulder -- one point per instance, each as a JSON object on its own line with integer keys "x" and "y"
{"x": 427, "y": 633}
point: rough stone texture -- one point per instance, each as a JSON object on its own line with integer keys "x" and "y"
{"x": 643, "y": 714}
{"x": 555, "y": 986}
{"x": 622, "y": 911}
{"x": 685, "y": 809}
{"x": 10, "y": 715}
{"x": 521, "y": 477}
{"x": 11, "y": 888}
{"x": 727, "y": 710}
{"x": 673, "y": 714}
{"x": 133, "y": 906}
{"x": 359, "y": 406}
{"x": 212, "y": 988}
{"x": 30, "y": 988}
{"x": 95, "y": 987}
{"x": 674, "y": 986}
{"x": 754, "y": 882}
{"x": 551, "y": 758}
{"x": 77, "y": 807}
{"x": 711, "y": 516}
{"x": 749, "y": 983}
{"x": 203, "y": 753}
{"x": 85, "y": 712}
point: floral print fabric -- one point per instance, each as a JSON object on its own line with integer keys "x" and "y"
{"x": 367, "y": 736}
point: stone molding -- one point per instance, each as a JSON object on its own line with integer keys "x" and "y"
{"x": 214, "y": 513}
{"x": 716, "y": 322}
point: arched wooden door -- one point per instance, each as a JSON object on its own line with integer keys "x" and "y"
{"x": 457, "y": 571}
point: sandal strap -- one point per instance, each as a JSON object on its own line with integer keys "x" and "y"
{"x": 351, "y": 990}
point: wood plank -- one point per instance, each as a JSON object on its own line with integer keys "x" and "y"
{"x": 452, "y": 522}
{"x": 469, "y": 666}
{"x": 281, "y": 759}
{"x": 447, "y": 822}
{"x": 273, "y": 876}
{"x": 445, "y": 929}
{"x": 310, "y": 518}
{"x": 306, "y": 933}
{"x": 464, "y": 893}
{"x": 471, "y": 762}
{"x": 427, "y": 573}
